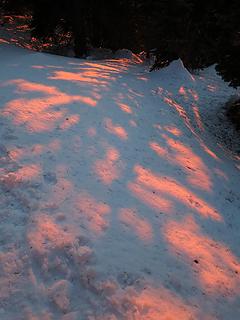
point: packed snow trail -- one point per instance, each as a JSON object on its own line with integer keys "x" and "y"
{"x": 116, "y": 202}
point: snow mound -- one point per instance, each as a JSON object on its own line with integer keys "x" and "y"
{"x": 100, "y": 54}
{"x": 177, "y": 71}
{"x": 123, "y": 54}
{"x": 129, "y": 55}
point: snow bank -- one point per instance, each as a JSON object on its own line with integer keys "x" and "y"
{"x": 102, "y": 53}
{"x": 177, "y": 71}
{"x": 116, "y": 202}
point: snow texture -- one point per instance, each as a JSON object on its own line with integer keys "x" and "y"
{"x": 116, "y": 201}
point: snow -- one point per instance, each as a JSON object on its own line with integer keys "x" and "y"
{"x": 116, "y": 200}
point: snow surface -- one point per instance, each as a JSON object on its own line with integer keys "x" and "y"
{"x": 116, "y": 200}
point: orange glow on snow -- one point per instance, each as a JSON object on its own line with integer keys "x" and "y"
{"x": 4, "y": 41}
{"x": 142, "y": 78}
{"x": 182, "y": 156}
{"x": 101, "y": 67}
{"x": 35, "y": 150}
{"x": 109, "y": 168}
{"x": 160, "y": 304}
{"x": 145, "y": 194}
{"x": 170, "y": 188}
{"x": 162, "y": 152}
{"x": 217, "y": 267}
{"x": 69, "y": 122}
{"x": 196, "y": 170}
{"x": 180, "y": 111}
{"x": 133, "y": 123}
{"x": 198, "y": 117}
{"x": 92, "y": 73}
{"x": 38, "y": 114}
{"x": 125, "y": 108}
{"x": 16, "y": 153}
{"x": 54, "y": 145}
{"x": 25, "y": 86}
{"x": 93, "y": 213}
{"x": 46, "y": 235}
{"x": 212, "y": 88}
{"x": 183, "y": 114}
{"x": 221, "y": 174}
{"x": 182, "y": 91}
{"x": 139, "y": 225}
{"x": 173, "y": 130}
{"x": 117, "y": 130}
{"x": 91, "y": 77}
{"x": 208, "y": 151}
{"x": 28, "y": 172}
{"x": 194, "y": 94}
{"x": 38, "y": 67}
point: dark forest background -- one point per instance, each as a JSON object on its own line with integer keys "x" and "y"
{"x": 200, "y": 33}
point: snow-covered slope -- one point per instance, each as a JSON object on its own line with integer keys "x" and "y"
{"x": 116, "y": 201}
